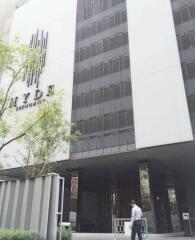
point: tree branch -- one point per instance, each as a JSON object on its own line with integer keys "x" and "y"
{"x": 24, "y": 133}
{"x": 14, "y": 80}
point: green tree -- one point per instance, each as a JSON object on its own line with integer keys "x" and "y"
{"x": 15, "y": 58}
{"x": 48, "y": 137}
{"x": 43, "y": 132}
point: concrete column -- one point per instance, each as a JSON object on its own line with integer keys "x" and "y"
{"x": 146, "y": 195}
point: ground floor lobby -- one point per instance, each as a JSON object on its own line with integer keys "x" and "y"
{"x": 99, "y": 189}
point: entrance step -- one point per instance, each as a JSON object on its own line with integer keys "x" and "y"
{"x": 92, "y": 236}
{"x": 108, "y": 236}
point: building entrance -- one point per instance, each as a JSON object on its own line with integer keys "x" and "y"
{"x": 105, "y": 195}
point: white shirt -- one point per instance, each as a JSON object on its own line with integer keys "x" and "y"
{"x": 136, "y": 213}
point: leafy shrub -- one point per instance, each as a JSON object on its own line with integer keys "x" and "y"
{"x": 66, "y": 234}
{"x": 8, "y": 234}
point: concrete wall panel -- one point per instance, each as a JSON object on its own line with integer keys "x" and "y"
{"x": 38, "y": 214}
{"x": 161, "y": 113}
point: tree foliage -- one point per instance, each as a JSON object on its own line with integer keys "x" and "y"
{"x": 44, "y": 132}
{"x": 50, "y": 136}
{"x": 15, "y": 58}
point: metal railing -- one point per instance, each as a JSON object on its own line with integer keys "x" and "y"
{"x": 122, "y": 228}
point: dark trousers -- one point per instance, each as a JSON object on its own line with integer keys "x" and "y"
{"x": 137, "y": 229}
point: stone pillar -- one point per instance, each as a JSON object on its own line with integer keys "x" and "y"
{"x": 146, "y": 195}
{"x": 74, "y": 190}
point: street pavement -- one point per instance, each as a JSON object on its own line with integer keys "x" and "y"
{"x": 102, "y": 236}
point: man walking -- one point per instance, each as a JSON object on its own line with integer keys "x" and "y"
{"x": 136, "y": 220}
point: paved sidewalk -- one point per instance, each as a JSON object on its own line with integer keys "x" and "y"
{"x": 102, "y": 236}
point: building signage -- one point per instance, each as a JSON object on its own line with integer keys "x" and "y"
{"x": 32, "y": 77}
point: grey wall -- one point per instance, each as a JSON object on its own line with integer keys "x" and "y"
{"x": 30, "y": 204}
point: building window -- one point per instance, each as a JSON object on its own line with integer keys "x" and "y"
{"x": 190, "y": 70}
{"x": 192, "y": 11}
{"x": 185, "y": 14}
{"x": 114, "y": 65}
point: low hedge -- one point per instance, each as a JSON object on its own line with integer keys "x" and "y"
{"x": 8, "y": 234}
{"x": 66, "y": 234}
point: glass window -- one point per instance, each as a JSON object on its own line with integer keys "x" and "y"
{"x": 82, "y": 54}
{"x": 107, "y": 140}
{"x": 111, "y": 21}
{"x": 121, "y": 117}
{"x": 99, "y": 26}
{"x": 101, "y": 69}
{"x": 106, "y": 69}
{"x": 183, "y": 67}
{"x": 105, "y": 4}
{"x": 78, "y": 36}
{"x": 88, "y": 52}
{"x": 101, "y": 94}
{"x": 106, "y": 44}
{"x": 99, "y": 48}
{"x": 179, "y": 43}
{"x": 105, "y": 24}
{"x": 126, "y": 62}
{"x": 190, "y": 70}
{"x": 86, "y": 126}
{"x": 92, "y": 72}
{"x": 186, "y": 41}
{"x": 117, "y": 17}
{"x": 100, "y": 142}
{"x": 94, "y": 28}
{"x": 125, "y": 38}
{"x": 128, "y": 88}
{"x": 116, "y": 65}
{"x": 78, "y": 102}
{"x": 177, "y": 17}
{"x": 92, "y": 141}
{"x": 191, "y": 104}
{"x": 122, "y": 137}
{"x": 116, "y": 93}
{"x": 112, "y": 43}
{"x": 185, "y": 14}
{"x": 106, "y": 94}
{"x": 96, "y": 97}
{"x": 77, "y": 56}
{"x": 192, "y": 11}
{"x": 100, "y": 124}
{"x": 111, "y": 66}
{"x": 97, "y": 71}
{"x": 114, "y": 120}
{"x": 80, "y": 126}
{"x": 93, "y": 125}
{"x": 118, "y": 39}
{"x": 85, "y": 145}
{"x": 122, "y": 89}
{"x": 93, "y": 49}
{"x": 82, "y": 33}
{"x": 82, "y": 100}
{"x": 193, "y": 39}
{"x": 84, "y": 75}
{"x": 88, "y": 31}
{"x": 107, "y": 124}
{"x": 129, "y": 117}
{"x": 124, "y": 16}
{"x": 87, "y": 99}
{"x": 88, "y": 75}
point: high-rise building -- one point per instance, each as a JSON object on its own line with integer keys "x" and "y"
{"x": 133, "y": 100}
